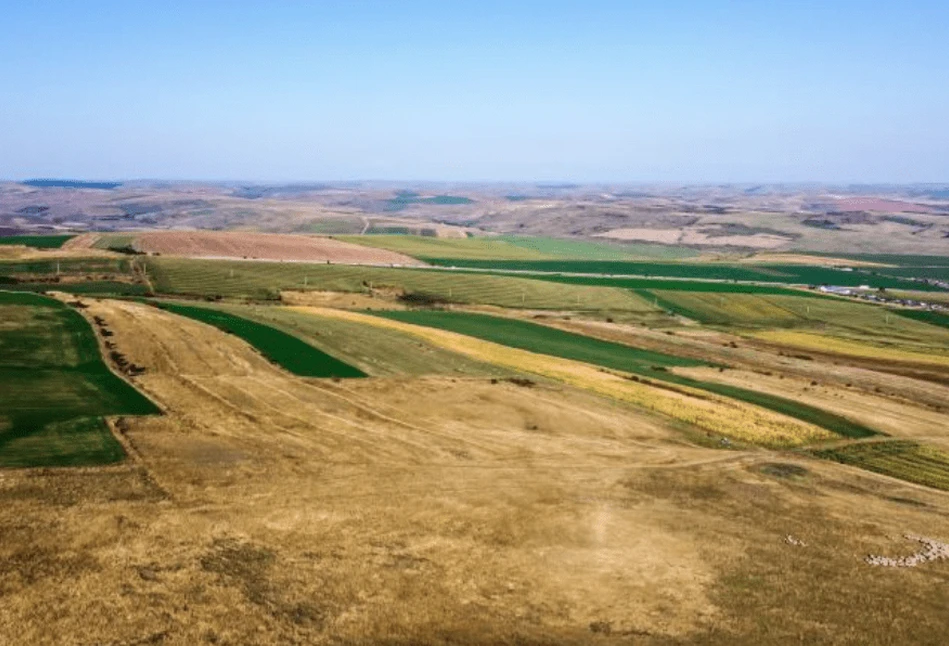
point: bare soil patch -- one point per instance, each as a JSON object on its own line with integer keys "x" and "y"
{"x": 265, "y": 246}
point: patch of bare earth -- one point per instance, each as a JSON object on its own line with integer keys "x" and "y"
{"x": 265, "y": 246}
{"x": 380, "y": 299}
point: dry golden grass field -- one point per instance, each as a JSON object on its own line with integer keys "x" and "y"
{"x": 564, "y": 505}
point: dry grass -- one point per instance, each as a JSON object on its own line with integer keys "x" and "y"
{"x": 895, "y": 416}
{"x": 709, "y": 412}
{"x": 853, "y": 348}
{"x": 266, "y": 509}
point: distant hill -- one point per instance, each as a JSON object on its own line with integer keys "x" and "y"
{"x": 69, "y": 183}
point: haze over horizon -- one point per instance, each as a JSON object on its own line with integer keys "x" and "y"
{"x": 594, "y": 92}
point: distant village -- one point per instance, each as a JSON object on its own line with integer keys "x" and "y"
{"x": 867, "y": 293}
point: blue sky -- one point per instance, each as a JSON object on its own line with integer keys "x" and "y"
{"x": 476, "y": 91}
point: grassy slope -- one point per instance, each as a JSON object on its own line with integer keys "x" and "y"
{"x": 285, "y": 350}
{"x": 264, "y": 280}
{"x": 37, "y": 242}
{"x": 933, "y": 318}
{"x": 544, "y": 340}
{"x": 378, "y": 352}
{"x": 55, "y": 387}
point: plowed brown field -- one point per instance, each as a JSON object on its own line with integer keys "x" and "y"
{"x": 265, "y": 246}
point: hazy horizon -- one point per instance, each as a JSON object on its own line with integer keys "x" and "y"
{"x": 592, "y": 93}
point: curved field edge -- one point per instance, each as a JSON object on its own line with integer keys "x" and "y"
{"x": 55, "y": 388}
{"x": 653, "y": 365}
{"x": 287, "y": 351}
{"x": 710, "y": 413}
{"x": 376, "y": 351}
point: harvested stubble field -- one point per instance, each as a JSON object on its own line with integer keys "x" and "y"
{"x": 649, "y": 364}
{"x": 712, "y": 414}
{"x": 267, "y": 509}
{"x": 264, "y": 246}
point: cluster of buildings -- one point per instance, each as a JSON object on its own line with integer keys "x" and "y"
{"x": 867, "y": 293}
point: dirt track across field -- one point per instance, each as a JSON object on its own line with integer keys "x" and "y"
{"x": 265, "y": 246}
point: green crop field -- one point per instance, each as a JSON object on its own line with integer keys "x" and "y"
{"x": 378, "y": 352}
{"x": 265, "y": 280}
{"x": 784, "y": 274}
{"x": 286, "y": 350}
{"x": 65, "y": 266}
{"x": 561, "y": 248}
{"x": 37, "y": 242}
{"x": 92, "y": 287}
{"x": 514, "y": 248}
{"x": 668, "y": 284}
{"x": 55, "y": 388}
{"x": 901, "y": 459}
{"x": 419, "y": 246}
{"x": 545, "y": 340}
{"x": 931, "y": 272}
{"x": 858, "y": 320}
{"x": 932, "y": 318}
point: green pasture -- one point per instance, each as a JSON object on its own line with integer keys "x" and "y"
{"x": 37, "y": 241}
{"x": 55, "y": 388}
